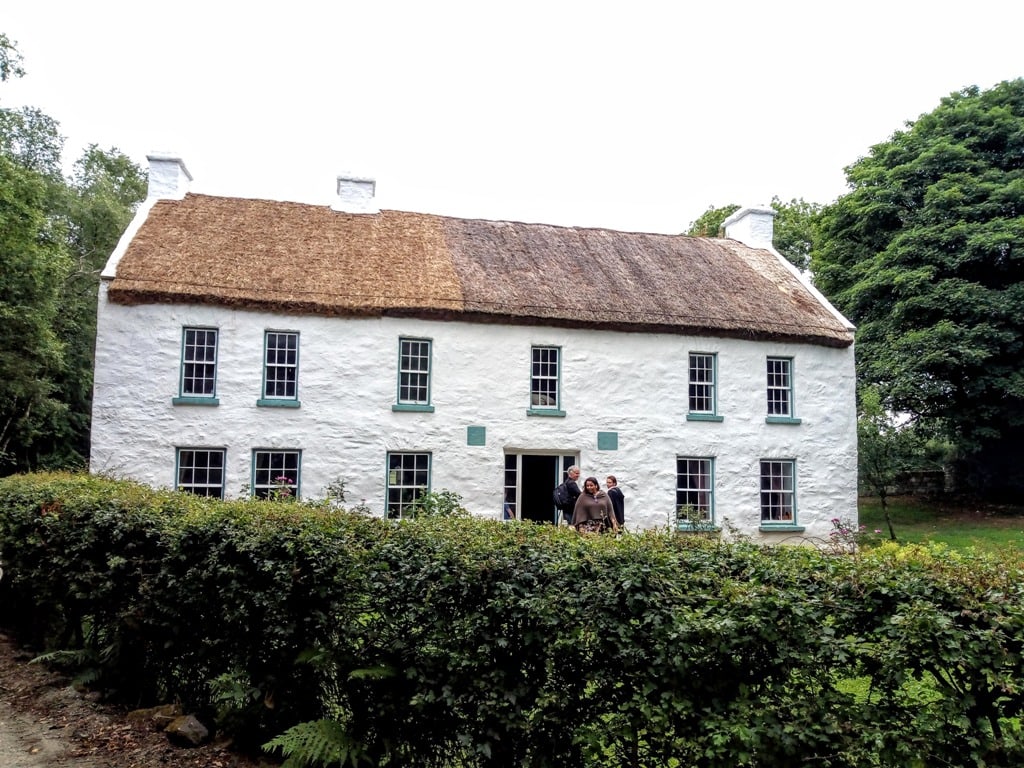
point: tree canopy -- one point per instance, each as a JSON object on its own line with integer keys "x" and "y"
{"x": 55, "y": 236}
{"x": 925, "y": 255}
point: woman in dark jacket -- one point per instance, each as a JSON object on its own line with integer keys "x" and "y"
{"x": 593, "y": 511}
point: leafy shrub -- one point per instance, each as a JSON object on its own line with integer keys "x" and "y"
{"x": 453, "y": 641}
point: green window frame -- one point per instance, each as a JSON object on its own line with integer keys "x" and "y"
{"x": 408, "y": 478}
{"x": 414, "y": 375}
{"x": 545, "y": 381}
{"x": 780, "y": 387}
{"x": 276, "y": 473}
{"x": 778, "y": 493}
{"x": 197, "y": 380}
{"x": 200, "y": 471}
{"x": 695, "y": 490}
{"x": 280, "y": 369}
{"x": 702, "y": 387}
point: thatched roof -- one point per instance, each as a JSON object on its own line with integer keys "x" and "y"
{"x": 296, "y": 258}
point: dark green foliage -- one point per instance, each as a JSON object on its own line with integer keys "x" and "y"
{"x": 33, "y": 267}
{"x": 449, "y": 641}
{"x": 55, "y": 236}
{"x": 924, "y": 255}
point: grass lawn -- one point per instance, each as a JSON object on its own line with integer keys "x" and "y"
{"x": 961, "y": 526}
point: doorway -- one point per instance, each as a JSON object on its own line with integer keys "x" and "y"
{"x": 530, "y": 479}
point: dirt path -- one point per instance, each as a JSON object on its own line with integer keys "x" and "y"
{"x": 46, "y": 723}
{"x": 30, "y": 741}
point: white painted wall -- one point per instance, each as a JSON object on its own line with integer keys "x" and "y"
{"x": 632, "y": 384}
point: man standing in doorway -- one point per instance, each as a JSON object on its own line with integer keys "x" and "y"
{"x": 617, "y": 499}
{"x": 572, "y": 474}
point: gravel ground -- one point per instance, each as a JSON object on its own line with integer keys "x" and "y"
{"x": 46, "y": 723}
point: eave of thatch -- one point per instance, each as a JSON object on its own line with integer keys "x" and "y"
{"x": 289, "y": 257}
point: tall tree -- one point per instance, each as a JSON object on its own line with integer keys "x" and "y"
{"x": 55, "y": 235}
{"x": 33, "y": 266}
{"x": 926, "y": 256}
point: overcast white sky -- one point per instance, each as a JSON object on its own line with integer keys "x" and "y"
{"x": 631, "y": 115}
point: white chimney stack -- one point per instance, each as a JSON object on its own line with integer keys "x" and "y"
{"x": 168, "y": 177}
{"x": 355, "y": 194}
{"x": 751, "y": 226}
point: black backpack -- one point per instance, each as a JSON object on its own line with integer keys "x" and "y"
{"x": 561, "y": 496}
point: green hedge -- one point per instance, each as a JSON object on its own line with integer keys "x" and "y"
{"x": 463, "y": 642}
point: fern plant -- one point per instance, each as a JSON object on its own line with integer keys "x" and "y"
{"x": 319, "y": 744}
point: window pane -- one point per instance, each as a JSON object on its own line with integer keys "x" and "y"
{"x": 779, "y": 386}
{"x": 510, "y": 502}
{"x": 281, "y": 365}
{"x": 408, "y": 479}
{"x": 275, "y": 473}
{"x": 702, "y": 383}
{"x": 777, "y": 491}
{"x": 694, "y": 488}
{"x": 201, "y": 471}
{"x": 544, "y": 377}
{"x": 199, "y": 362}
{"x": 414, "y": 371}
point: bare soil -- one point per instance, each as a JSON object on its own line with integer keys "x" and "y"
{"x": 47, "y": 723}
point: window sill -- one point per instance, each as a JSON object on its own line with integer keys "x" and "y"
{"x": 412, "y": 408}
{"x": 704, "y": 417}
{"x": 780, "y": 528}
{"x": 195, "y": 401}
{"x": 544, "y": 412}
{"x": 781, "y": 420}
{"x": 262, "y": 403}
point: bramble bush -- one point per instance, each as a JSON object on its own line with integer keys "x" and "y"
{"x": 453, "y": 641}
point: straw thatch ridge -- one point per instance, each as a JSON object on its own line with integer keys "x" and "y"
{"x": 296, "y": 258}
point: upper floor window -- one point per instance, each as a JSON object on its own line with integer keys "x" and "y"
{"x": 780, "y": 386}
{"x": 276, "y": 474}
{"x": 199, "y": 363}
{"x": 778, "y": 491}
{"x": 201, "y": 471}
{"x": 280, "y": 366}
{"x": 695, "y": 497}
{"x": 414, "y": 372}
{"x": 544, "y": 379}
{"x": 408, "y": 479}
{"x": 703, "y": 387}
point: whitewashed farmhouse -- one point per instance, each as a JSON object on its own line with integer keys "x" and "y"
{"x": 243, "y": 341}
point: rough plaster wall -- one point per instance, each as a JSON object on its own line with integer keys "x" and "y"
{"x": 632, "y": 384}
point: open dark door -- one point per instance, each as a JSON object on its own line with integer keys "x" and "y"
{"x": 531, "y": 479}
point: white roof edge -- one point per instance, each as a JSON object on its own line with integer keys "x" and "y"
{"x": 805, "y": 281}
{"x": 110, "y": 268}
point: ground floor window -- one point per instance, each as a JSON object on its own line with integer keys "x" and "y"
{"x": 695, "y": 498}
{"x": 778, "y": 491}
{"x": 276, "y": 473}
{"x": 408, "y": 479}
{"x": 201, "y": 471}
